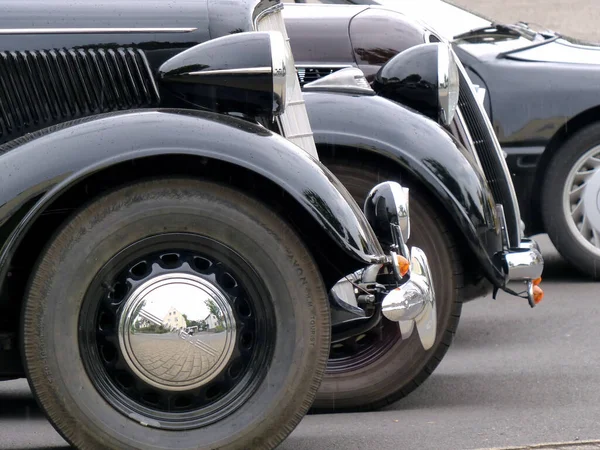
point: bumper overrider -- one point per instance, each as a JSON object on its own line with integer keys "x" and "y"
{"x": 402, "y": 288}
{"x": 524, "y": 263}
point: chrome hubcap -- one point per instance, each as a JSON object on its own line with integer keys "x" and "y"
{"x": 581, "y": 200}
{"x": 177, "y": 331}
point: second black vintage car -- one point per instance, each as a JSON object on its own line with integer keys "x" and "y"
{"x": 541, "y": 90}
{"x": 166, "y": 253}
{"x": 388, "y": 101}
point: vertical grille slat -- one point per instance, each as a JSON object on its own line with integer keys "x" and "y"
{"x": 23, "y": 91}
{"x": 14, "y": 118}
{"x": 42, "y": 88}
{"x": 36, "y": 88}
{"x": 489, "y": 156}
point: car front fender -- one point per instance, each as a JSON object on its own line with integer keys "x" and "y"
{"x": 38, "y": 168}
{"x": 420, "y": 148}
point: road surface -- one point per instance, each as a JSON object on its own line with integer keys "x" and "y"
{"x": 514, "y": 376}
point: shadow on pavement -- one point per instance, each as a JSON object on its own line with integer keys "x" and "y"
{"x": 473, "y": 390}
{"x": 19, "y": 406}
{"x": 556, "y": 268}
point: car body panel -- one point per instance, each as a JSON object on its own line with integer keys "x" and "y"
{"x": 75, "y": 151}
{"x": 376, "y": 35}
{"x": 349, "y": 35}
{"x": 414, "y": 147}
{"x": 44, "y": 55}
{"x": 519, "y": 75}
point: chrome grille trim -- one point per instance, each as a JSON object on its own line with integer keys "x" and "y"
{"x": 294, "y": 122}
{"x": 490, "y": 156}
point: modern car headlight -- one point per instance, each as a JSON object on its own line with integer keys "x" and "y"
{"x": 245, "y": 73}
{"x": 424, "y": 78}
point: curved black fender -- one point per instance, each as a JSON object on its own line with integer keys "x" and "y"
{"x": 38, "y": 168}
{"x": 423, "y": 150}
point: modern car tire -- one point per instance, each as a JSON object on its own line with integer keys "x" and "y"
{"x": 210, "y": 232}
{"x": 564, "y": 229}
{"x": 379, "y": 368}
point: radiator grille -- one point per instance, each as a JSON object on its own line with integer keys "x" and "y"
{"x": 489, "y": 157}
{"x": 309, "y": 74}
{"x": 42, "y": 88}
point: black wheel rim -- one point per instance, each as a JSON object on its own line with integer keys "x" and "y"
{"x": 362, "y": 350}
{"x": 243, "y": 371}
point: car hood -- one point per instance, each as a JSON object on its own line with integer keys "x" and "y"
{"x": 561, "y": 50}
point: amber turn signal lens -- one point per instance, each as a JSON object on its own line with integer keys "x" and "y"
{"x": 403, "y": 265}
{"x": 537, "y": 281}
{"x": 538, "y": 294}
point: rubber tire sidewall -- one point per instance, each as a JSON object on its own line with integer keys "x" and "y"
{"x": 406, "y": 365}
{"x": 66, "y": 268}
{"x": 555, "y": 222}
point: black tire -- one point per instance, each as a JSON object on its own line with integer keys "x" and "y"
{"x": 559, "y": 227}
{"x": 381, "y": 368}
{"x": 243, "y": 233}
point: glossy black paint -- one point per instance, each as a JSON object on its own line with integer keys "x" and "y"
{"x": 41, "y": 88}
{"x": 381, "y": 212}
{"x": 421, "y": 149}
{"x": 375, "y": 35}
{"x": 73, "y": 152}
{"x": 230, "y": 74}
{"x": 411, "y": 78}
{"x": 130, "y": 22}
{"x": 538, "y": 93}
{"x": 374, "y": 46}
{"x": 351, "y": 38}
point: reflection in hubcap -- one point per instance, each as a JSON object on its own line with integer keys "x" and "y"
{"x": 177, "y": 331}
{"x": 581, "y": 200}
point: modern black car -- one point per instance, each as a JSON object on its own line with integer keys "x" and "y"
{"x": 542, "y": 94}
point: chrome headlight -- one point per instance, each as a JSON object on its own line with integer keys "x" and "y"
{"x": 387, "y": 205}
{"x": 448, "y": 83}
{"x": 424, "y": 78}
{"x": 244, "y": 73}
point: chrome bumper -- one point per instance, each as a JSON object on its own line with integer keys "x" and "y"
{"x": 526, "y": 264}
{"x": 413, "y": 303}
{"x": 409, "y": 298}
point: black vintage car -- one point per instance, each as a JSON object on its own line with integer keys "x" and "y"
{"x": 169, "y": 238}
{"x": 541, "y": 91}
{"x": 466, "y": 215}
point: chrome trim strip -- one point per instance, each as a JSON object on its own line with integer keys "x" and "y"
{"x": 249, "y": 70}
{"x": 492, "y": 133}
{"x": 9, "y": 31}
{"x": 271, "y": 10}
{"x": 461, "y": 125}
{"x": 279, "y": 63}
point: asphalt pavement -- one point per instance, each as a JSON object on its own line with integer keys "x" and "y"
{"x": 515, "y": 376}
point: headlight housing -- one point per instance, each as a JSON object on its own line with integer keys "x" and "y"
{"x": 244, "y": 73}
{"x": 424, "y": 78}
{"x": 448, "y": 83}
